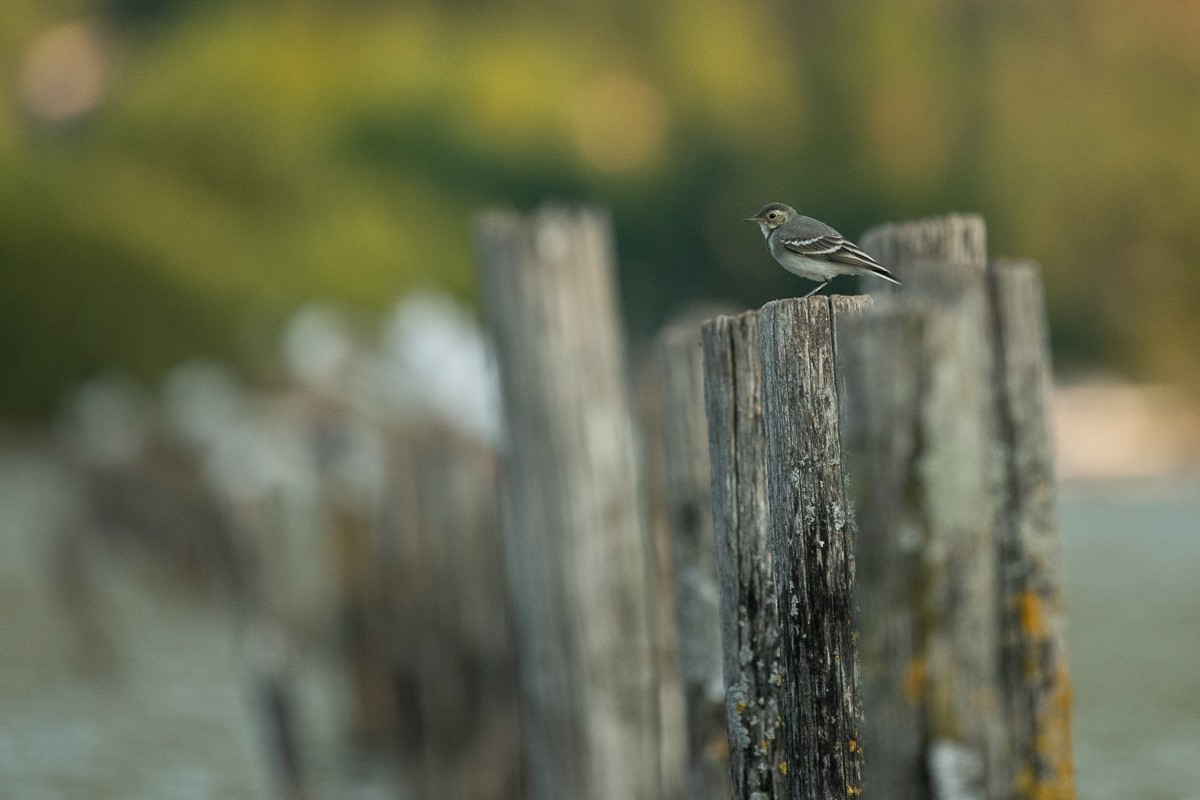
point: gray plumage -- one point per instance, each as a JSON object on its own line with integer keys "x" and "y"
{"x": 811, "y": 249}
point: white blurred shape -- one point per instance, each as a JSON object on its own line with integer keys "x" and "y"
{"x": 440, "y": 361}
{"x": 201, "y": 399}
{"x": 265, "y": 450}
{"x": 109, "y": 420}
{"x": 317, "y": 346}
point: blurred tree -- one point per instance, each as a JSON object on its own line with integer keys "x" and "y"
{"x": 172, "y": 166}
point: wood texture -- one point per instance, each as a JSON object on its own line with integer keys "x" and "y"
{"x": 1033, "y": 658}
{"x": 882, "y": 364}
{"x": 689, "y": 503}
{"x": 812, "y": 537}
{"x": 959, "y": 239}
{"x": 672, "y": 712}
{"x": 575, "y": 550}
{"x": 929, "y": 494}
{"x": 745, "y": 566}
{"x": 434, "y": 613}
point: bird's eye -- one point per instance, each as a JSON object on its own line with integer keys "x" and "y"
{"x": 773, "y": 215}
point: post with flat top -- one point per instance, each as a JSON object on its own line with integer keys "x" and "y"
{"x": 812, "y": 538}
{"x": 689, "y": 522}
{"x": 926, "y": 468}
{"x": 1033, "y": 663}
{"x": 575, "y": 550}
{"x": 737, "y": 449}
{"x": 962, "y": 652}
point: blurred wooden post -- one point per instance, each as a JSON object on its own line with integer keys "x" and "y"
{"x": 882, "y": 360}
{"x": 958, "y": 239}
{"x": 574, "y": 545}
{"x": 689, "y": 502}
{"x": 1034, "y": 655}
{"x": 812, "y": 537}
{"x": 922, "y": 434}
{"x": 673, "y": 738}
{"x": 745, "y": 566}
{"x": 442, "y": 581}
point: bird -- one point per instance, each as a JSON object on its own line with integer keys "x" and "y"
{"x": 811, "y": 249}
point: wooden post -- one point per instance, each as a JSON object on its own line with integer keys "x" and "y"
{"x": 812, "y": 537}
{"x": 958, "y": 239}
{"x": 672, "y": 723}
{"x": 446, "y": 594}
{"x": 922, "y": 430}
{"x": 882, "y": 369}
{"x": 1034, "y": 661}
{"x": 574, "y": 545}
{"x": 745, "y": 566}
{"x": 689, "y": 503}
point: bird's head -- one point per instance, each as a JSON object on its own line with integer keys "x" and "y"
{"x": 771, "y": 216}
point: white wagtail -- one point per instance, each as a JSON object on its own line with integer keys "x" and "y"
{"x": 811, "y": 249}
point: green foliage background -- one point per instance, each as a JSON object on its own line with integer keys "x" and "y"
{"x": 247, "y": 156}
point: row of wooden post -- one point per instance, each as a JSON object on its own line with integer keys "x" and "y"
{"x": 858, "y": 506}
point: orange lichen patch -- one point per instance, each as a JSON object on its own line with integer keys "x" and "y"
{"x": 739, "y": 708}
{"x": 1061, "y": 699}
{"x": 1052, "y": 776}
{"x": 1026, "y": 781}
{"x": 854, "y": 748}
{"x": 1032, "y": 615}
{"x": 783, "y": 768}
{"x": 853, "y": 791}
{"x": 1054, "y": 739}
{"x": 916, "y": 680}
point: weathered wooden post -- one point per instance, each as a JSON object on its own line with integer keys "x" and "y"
{"x": 812, "y": 536}
{"x": 745, "y": 566}
{"x": 680, "y": 362}
{"x": 441, "y": 584}
{"x": 672, "y": 712}
{"x": 963, "y": 668}
{"x": 939, "y": 522}
{"x": 881, "y": 441}
{"x": 1034, "y": 657}
{"x": 931, "y": 543}
{"x": 574, "y": 546}
{"x": 958, "y": 239}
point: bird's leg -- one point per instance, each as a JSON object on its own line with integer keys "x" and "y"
{"x": 819, "y": 288}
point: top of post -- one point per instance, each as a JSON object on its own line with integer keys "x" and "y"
{"x": 956, "y": 239}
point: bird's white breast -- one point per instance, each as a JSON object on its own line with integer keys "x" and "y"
{"x": 811, "y": 268}
{"x": 816, "y": 269}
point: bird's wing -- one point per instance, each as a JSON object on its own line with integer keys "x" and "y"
{"x": 819, "y": 246}
{"x": 832, "y": 247}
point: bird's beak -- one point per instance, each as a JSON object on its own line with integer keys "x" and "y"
{"x": 751, "y": 219}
